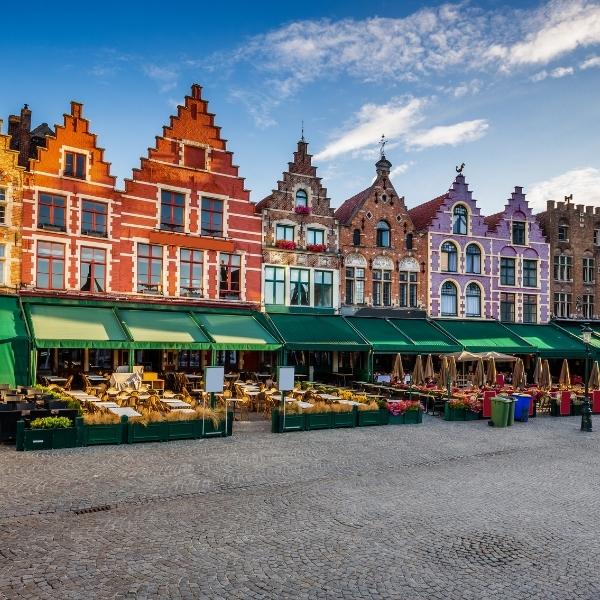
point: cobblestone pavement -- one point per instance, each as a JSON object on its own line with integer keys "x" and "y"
{"x": 433, "y": 511}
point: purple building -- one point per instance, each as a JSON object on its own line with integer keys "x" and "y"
{"x": 478, "y": 267}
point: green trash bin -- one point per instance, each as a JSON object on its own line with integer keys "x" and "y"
{"x": 511, "y": 412}
{"x": 501, "y": 409}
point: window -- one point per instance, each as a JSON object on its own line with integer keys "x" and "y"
{"x": 473, "y": 259}
{"x": 315, "y": 237}
{"x": 529, "y": 273}
{"x": 324, "y": 288}
{"x": 588, "y": 270}
{"x": 2, "y": 206}
{"x": 149, "y": 269}
{"x": 409, "y": 241}
{"x": 596, "y": 237}
{"x": 518, "y": 233}
{"x": 50, "y": 266}
{"x": 94, "y": 218}
{"x": 563, "y": 266}
{"x": 563, "y": 232}
{"x": 52, "y": 211}
{"x": 191, "y": 265}
{"x": 92, "y": 269}
{"x": 301, "y": 198}
{"x": 2, "y": 264}
{"x": 274, "y": 285}
{"x": 75, "y": 165}
{"x": 356, "y": 237}
{"x": 529, "y": 308}
{"x": 562, "y": 304}
{"x": 587, "y": 306}
{"x": 449, "y": 300}
{"x": 383, "y": 234}
{"x": 382, "y": 287}
{"x": 408, "y": 289}
{"x": 507, "y": 271}
{"x": 473, "y": 300}
{"x": 355, "y": 285}
{"x": 299, "y": 287}
{"x": 230, "y": 276}
{"x": 172, "y": 207}
{"x": 284, "y": 232}
{"x": 449, "y": 257}
{"x": 507, "y": 308}
{"x": 212, "y": 217}
{"x": 459, "y": 220}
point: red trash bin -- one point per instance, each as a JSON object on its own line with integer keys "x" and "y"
{"x": 596, "y": 402}
{"x": 487, "y": 404}
{"x": 565, "y": 404}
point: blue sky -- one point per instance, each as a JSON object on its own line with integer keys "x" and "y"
{"x": 509, "y": 88}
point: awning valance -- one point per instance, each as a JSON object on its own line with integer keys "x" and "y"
{"x": 481, "y": 336}
{"x": 550, "y": 341}
{"x": 426, "y": 337}
{"x": 318, "y": 332}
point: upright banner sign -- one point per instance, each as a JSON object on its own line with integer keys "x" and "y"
{"x": 285, "y": 383}
{"x": 214, "y": 381}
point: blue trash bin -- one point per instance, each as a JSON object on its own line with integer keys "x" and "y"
{"x": 522, "y": 404}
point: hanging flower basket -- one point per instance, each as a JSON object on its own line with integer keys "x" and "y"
{"x": 285, "y": 244}
{"x": 316, "y": 247}
{"x": 302, "y": 210}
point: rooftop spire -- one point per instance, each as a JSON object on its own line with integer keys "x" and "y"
{"x": 302, "y": 137}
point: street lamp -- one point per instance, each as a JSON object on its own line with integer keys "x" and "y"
{"x": 586, "y": 409}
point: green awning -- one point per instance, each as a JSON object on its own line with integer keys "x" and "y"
{"x": 159, "y": 329}
{"x": 426, "y": 337}
{"x": 318, "y": 332}
{"x": 236, "y": 332}
{"x": 481, "y": 336}
{"x": 71, "y": 326}
{"x": 382, "y": 335}
{"x": 550, "y": 341}
{"x": 15, "y": 355}
{"x": 575, "y": 329}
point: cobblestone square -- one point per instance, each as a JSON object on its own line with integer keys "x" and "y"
{"x": 434, "y": 511}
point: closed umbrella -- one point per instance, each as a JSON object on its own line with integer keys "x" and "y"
{"x": 479, "y": 374}
{"x": 518, "y": 378}
{"x": 417, "y": 376}
{"x": 452, "y": 369}
{"x": 491, "y": 372}
{"x": 594, "y": 380}
{"x": 546, "y": 378}
{"x": 397, "y": 369}
{"x": 537, "y": 374}
{"x": 429, "y": 373}
{"x": 443, "y": 374}
{"x": 565, "y": 377}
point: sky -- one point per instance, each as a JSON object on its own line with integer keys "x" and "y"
{"x": 512, "y": 89}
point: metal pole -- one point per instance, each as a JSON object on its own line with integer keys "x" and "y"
{"x": 586, "y": 409}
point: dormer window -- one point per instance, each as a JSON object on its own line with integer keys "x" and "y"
{"x": 459, "y": 219}
{"x": 75, "y": 165}
{"x": 383, "y": 234}
{"x": 518, "y": 233}
{"x": 301, "y": 198}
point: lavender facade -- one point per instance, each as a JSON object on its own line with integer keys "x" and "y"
{"x": 482, "y": 267}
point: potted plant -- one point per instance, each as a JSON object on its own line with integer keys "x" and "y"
{"x": 47, "y": 433}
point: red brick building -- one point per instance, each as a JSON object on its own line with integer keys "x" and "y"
{"x": 381, "y": 267}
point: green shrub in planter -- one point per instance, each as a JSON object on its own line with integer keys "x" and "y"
{"x": 49, "y": 433}
{"x": 51, "y": 423}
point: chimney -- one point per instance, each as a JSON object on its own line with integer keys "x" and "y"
{"x": 24, "y": 136}
{"x": 1, "y": 125}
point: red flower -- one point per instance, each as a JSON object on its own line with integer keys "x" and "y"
{"x": 316, "y": 247}
{"x": 286, "y": 244}
{"x": 302, "y": 210}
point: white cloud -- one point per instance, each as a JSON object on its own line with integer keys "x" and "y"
{"x": 583, "y": 183}
{"x": 561, "y": 72}
{"x": 393, "y": 119}
{"x": 466, "y": 131}
{"x": 556, "y": 29}
{"x": 540, "y": 76}
{"x": 166, "y": 76}
{"x": 590, "y": 63}
{"x": 401, "y": 169}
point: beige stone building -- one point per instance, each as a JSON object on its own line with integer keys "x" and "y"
{"x": 11, "y": 207}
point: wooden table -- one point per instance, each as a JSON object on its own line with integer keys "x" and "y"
{"x": 57, "y": 380}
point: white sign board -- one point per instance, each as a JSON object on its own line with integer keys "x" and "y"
{"x": 285, "y": 379}
{"x": 214, "y": 378}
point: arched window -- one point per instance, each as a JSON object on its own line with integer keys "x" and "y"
{"x": 459, "y": 219}
{"x": 473, "y": 300}
{"x": 449, "y": 257}
{"x": 356, "y": 237}
{"x": 383, "y": 234}
{"x": 449, "y": 300}
{"x": 301, "y": 198}
{"x": 473, "y": 258}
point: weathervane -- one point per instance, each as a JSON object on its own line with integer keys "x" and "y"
{"x": 460, "y": 169}
{"x": 382, "y": 144}
{"x": 569, "y": 199}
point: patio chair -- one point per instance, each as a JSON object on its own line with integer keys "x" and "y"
{"x": 68, "y": 383}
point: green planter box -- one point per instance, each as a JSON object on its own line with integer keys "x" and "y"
{"x": 95, "y": 435}
{"x": 459, "y": 414}
{"x": 152, "y": 432}
{"x": 471, "y": 416}
{"x": 576, "y": 409}
{"x": 293, "y": 422}
{"x": 345, "y": 419}
{"x": 45, "y": 439}
{"x": 372, "y": 417}
{"x": 396, "y": 419}
{"x": 413, "y": 417}
{"x": 182, "y": 430}
{"x": 318, "y": 421}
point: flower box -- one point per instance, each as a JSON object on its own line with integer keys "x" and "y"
{"x": 459, "y": 414}
{"x": 95, "y": 435}
{"x": 344, "y": 419}
{"x": 152, "y": 432}
{"x": 316, "y": 247}
{"x": 373, "y": 417}
{"x": 285, "y": 244}
{"x": 293, "y": 422}
{"x": 45, "y": 439}
{"x": 318, "y": 421}
{"x": 183, "y": 430}
{"x": 302, "y": 210}
{"x": 413, "y": 417}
